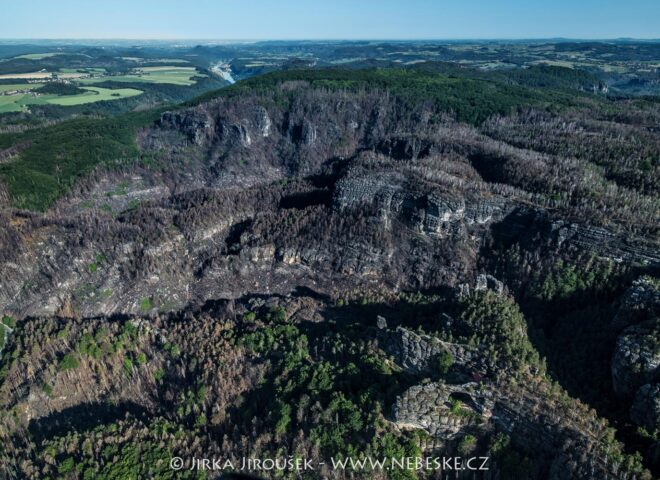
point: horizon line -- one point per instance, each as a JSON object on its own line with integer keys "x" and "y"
{"x": 337, "y": 39}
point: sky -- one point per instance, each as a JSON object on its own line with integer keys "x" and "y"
{"x": 335, "y": 19}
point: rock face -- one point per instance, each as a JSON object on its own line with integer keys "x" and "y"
{"x": 605, "y": 242}
{"x": 526, "y": 225}
{"x": 418, "y": 354}
{"x": 636, "y": 359}
{"x": 356, "y": 188}
{"x": 645, "y": 410}
{"x": 443, "y": 411}
{"x": 640, "y": 303}
{"x": 197, "y": 127}
{"x": 483, "y": 282}
{"x": 438, "y": 212}
{"x": 335, "y": 191}
{"x": 556, "y": 437}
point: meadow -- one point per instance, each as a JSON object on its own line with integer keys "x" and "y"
{"x": 37, "y": 56}
{"x": 18, "y": 86}
{"x": 9, "y": 103}
{"x": 25, "y": 76}
{"x": 41, "y": 75}
{"x": 183, "y": 76}
{"x": 83, "y": 70}
{"x": 20, "y": 102}
{"x": 95, "y": 94}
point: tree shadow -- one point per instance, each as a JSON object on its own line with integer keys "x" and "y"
{"x": 84, "y": 416}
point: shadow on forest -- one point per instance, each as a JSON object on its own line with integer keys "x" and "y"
{"x": 84, "y": 416}
{"x": 574, "y": 332}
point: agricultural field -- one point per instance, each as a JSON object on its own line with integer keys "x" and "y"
{"x": 165, "y": 77}
{"x": 82, "y": 70}
{"x": 18, "y": 86}
{"x": 26, "y": 76}
{"x": 20, "y": 102}
{"x": 155, "y": 60}
{"x": 9, "y": 103}
{"x": 42, "y": 75}
{"x": 95, "y": 94}
{"x": 184, "y": 76}
{"x": 37, "y": 56}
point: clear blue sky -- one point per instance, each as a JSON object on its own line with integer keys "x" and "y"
{"x": 334, "y": 19}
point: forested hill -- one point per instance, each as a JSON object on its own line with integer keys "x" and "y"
{"x": 333, "y": 263}
{"x": 470, "y": 96}
{"x": 34, "y": 181}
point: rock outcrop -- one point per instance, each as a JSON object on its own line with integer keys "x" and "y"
{"x": 636, "y": 359}
{"x": 419, "y": 354}
{"x": 645, "y": 410}
{"x": 443, "y": 411}
{"x": 556, "y": 436}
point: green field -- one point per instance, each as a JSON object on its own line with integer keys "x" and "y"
{"x": 83, "y": 70}
{"x": 184, "y": 76}
{"x": 166, "y": 74}
{"x": 155, "y": 60}
{"x": 17, "y": 103}
{"x": 19, "y": 86}
{"x": 37, "y": 56}
{"x": 11, "y": 103}
{"x": 95, "y": 94}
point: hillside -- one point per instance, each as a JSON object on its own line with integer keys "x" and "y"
{"x": 337, "y": 263}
